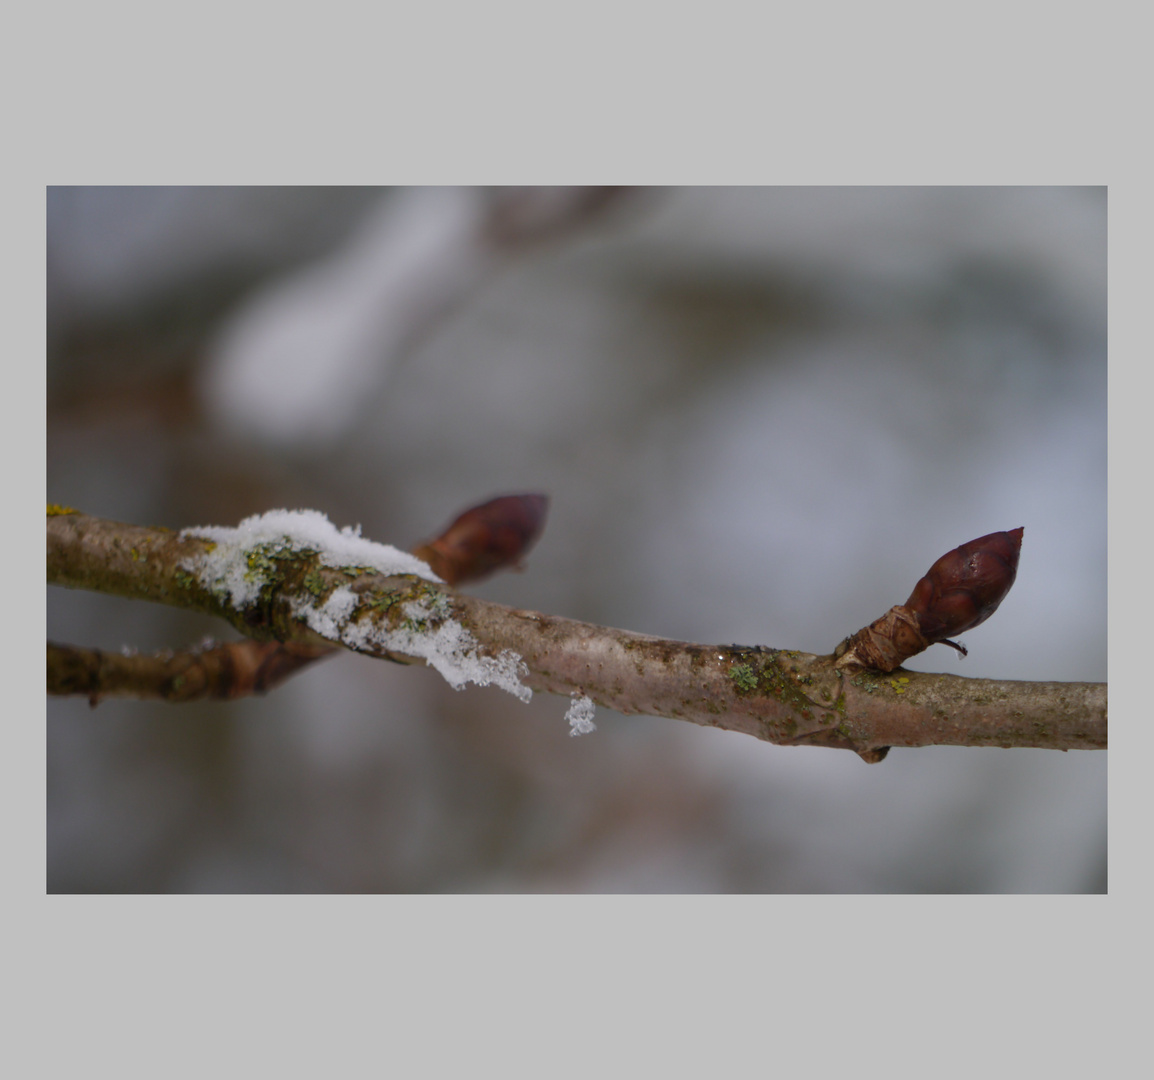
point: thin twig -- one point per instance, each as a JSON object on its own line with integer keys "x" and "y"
{"x": 223, "y": 672}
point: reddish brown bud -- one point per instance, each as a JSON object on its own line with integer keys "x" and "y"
{"x": 486, "y": 538}
{"x": 966, "y": 585}
{"x": 962, "y": 589}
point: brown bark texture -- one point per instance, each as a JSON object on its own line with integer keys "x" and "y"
{"x": 778, "y": 695}
{"x": 223, "y": 672}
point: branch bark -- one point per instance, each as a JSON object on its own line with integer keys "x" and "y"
{"x": 223, "y": 672}
{"x": 778, "y": 695}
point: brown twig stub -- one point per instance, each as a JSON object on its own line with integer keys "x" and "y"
{"x": 886, "y": 642}
{"x": 962, "y": 589}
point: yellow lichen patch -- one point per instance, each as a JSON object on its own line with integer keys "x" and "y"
{"x": 55, "y": 510}
{"x": 899, "y": 685}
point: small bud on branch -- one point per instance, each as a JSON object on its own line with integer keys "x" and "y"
{"x": 962, "y": 589}
{"x": 486, "y": 538}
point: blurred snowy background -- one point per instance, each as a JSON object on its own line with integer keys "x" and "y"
{"x": 761, "y": 415}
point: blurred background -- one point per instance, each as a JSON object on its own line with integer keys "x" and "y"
{"x": 761, "y": 414}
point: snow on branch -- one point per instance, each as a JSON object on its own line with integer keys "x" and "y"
{"x": 296, "y": 579}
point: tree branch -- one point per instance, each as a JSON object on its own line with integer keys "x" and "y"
{"x": 298, "y": 593}
{"x": 222, "y": 672}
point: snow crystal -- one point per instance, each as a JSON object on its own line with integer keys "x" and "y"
{"x": 226, "y": 566}
{"x": 580, "y": 715}
{"x": 328, "y": 619}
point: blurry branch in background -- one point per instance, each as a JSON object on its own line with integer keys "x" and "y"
{"x": 308, "y": 359}
{"x": 299, "y": 589}
{"x": 519, "y": 217}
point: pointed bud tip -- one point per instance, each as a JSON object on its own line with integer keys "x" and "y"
{"x": 490, "y": 536}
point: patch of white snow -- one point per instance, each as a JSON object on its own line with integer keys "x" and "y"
{"x": 226, "y": 566}
{"x": 580, "y": 715}
{"x": 448, "y": 647}
{"x": 427, "y": 631}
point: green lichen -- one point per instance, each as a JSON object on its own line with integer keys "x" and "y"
{"x": 354, "y": 572}
{"x": 379, "y": 604}
{"x": 863, "y": 682}
{"x": 314, "y": 582}
{"x": 262, "y": 559}
{"x": 775, "y": 681}
{"x": 744, "y": 678}
{"x": 428, "y": 608}
{"x": 277, "y": 561}
{"x": 440, "y": 606}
